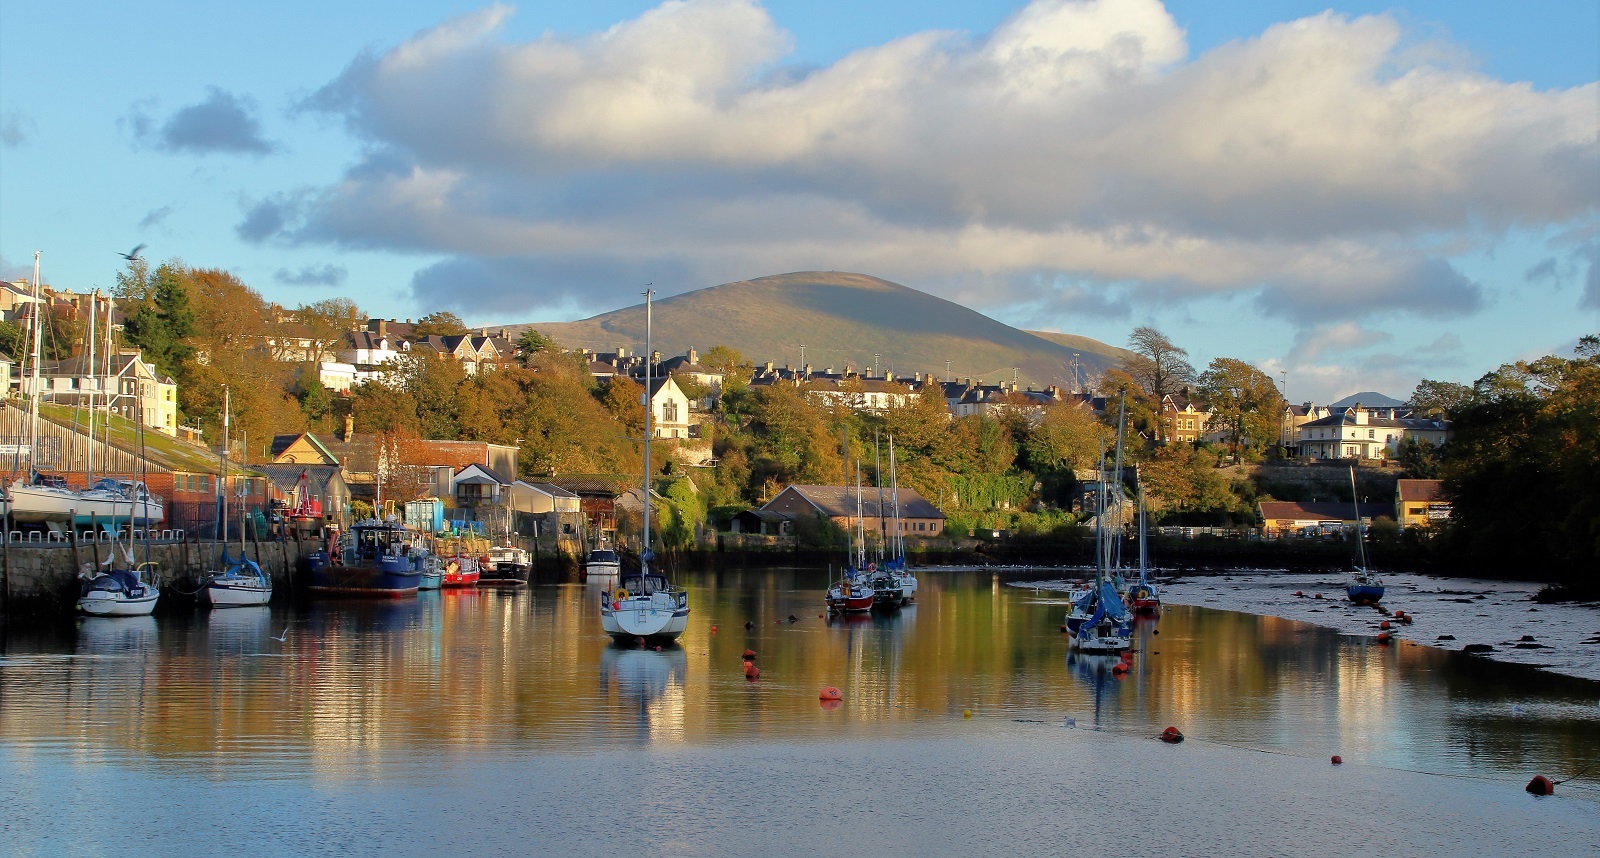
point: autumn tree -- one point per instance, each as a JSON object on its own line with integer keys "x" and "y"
{"x": 1158, "y": 365}
{"x": 1066, "y": 437}
{"x": 733, "y": 366}
{"x": 325, "y": 324}
{"x": 1245, "y": 403}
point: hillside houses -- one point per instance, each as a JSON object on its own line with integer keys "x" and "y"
{"x": 1366, "y": 433}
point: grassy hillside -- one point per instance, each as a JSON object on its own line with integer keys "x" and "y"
{"x": 842, "y": 319}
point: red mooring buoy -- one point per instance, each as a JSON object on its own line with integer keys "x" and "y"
{"x": 1384, "y": 625}
{"x": 1541, "y": 785}
{"x": 1384, "y": 637}
{"x": 1338, "y": 760}
{"x": 830, "y": 693}
{"x": 749, "y": 653}
{"x": 751, "y": 671}
{"x": 1171, "y": 736}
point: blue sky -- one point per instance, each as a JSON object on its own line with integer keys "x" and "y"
{"x": 1357, "y": 195}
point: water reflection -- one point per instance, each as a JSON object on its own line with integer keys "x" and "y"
{"x": 357, "y": 685}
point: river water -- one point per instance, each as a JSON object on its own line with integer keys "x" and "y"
{"x": 495, "y": 722}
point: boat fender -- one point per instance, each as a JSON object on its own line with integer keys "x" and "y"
{"x": 830, "y": 693}
{"x": 1171, "y": 736}
{"x": 620, "y": 594}
{"x": 1541, "y": 785}
{"x": 1338, "y": 760}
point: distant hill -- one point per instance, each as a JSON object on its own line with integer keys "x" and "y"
{"x": 1368, "y": 398}
{"x": 841, "y": 319}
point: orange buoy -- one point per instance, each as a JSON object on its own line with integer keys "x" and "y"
{"x": 751, "y": 671}
{"x": 749, "y": 653}
{"x": 1171, "y": 736}
{"x": 713, "y": 629}
{"x": 1338, "y": 760}
{"x": 1063, "y": 628}
{"x": 1300, "y": 594}
{"x": 1119, "y": 669}
{"x": 830, "y": 693}
{"x": 1316, "y": 595}
{"x": 1406, "y": 619}
{"x": 1384, "y": 625}
{"x": 1541, "y": 785}
{"x": 1383, "y": 637}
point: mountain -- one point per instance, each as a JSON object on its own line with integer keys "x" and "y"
{"x": 1369, "y": 399}
{"x": 842, "y": 319}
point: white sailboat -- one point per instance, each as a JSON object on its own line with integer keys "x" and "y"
{"x": 1142, "y": 596}
{"x": 241, "y": 582}
{"x": 645, "y": 604}
{"x": 1098, "y": 621}
{"x": 1364, "y": 586}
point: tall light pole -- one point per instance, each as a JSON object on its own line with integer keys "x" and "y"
{"x": 803, "y": 359}
{"x": 1077, "y": 376}
{"x": 1287, "y": 421}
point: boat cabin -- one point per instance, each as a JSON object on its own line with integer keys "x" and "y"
{"x": 644, "y": 585}
{"x": 371, "y": 541}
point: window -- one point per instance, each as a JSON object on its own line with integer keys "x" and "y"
{"x": 1372, "y": 433}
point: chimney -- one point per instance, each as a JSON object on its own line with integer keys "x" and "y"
{"x": 769, "y": 366}
{"x": 349, "y": 425}
{"x": 383, "y": 328}
{"x": 693, "y": 358}
{"x": 622, "y": 352}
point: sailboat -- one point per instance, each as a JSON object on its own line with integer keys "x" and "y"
{"x": 46, "y": 499}
{"x": 1142, "y": 595}
{"x": 854, "y": 594}
{"x": 645, "y": 604}
{"x": 241, "y": 582}
{"x": 1364, "y": 586}
{"x": 119, "y": 592}
{"x": 1098, "y": 620}
{"x": 897, "y": 562}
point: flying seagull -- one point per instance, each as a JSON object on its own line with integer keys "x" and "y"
{"x": 283, "y": 637}
{"x": 132, "y": 254}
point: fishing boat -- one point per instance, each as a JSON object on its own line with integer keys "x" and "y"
{"x": 377, "y": 559}
{"x": 1364, "y": 587}
{"x": 1142, "y": 596}
{"x": 645, "y": 604}
{"x": 118, "y": 592}
{"x": 462, "y": 559}
{"x": 1098, "y": 621}
{"x": 432, "y": 573}
{"x": 507, "y": 566}
{"x": 602, "y": 563}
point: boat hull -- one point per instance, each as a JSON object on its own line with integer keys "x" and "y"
{"x": 392, "y": 576}
{"x": 856, "y": 601}
{"x": 234, "y": 592}
{"x": 1364, "y": 594}
{"x": 660, "y": 617}
{"x": 100, "y": 603}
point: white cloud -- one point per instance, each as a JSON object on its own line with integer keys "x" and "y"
{"x": 1321, "y": 166}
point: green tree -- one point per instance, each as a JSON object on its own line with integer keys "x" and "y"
{"x": 1245, "y": 403}
{"x": 533, "y": 343}
{"x": 441, "y": 323}
{"x": 1159, "y": 367}
{"x": 732, "y": 364}
{"x": 1066, "y": 437}
{"x": 326, "y": 323}
{"x": 1419, "y": 460}
{"x": 12, "y": 340}
{"x": 161, "y": 325}
{"x": 1438, "y": 398}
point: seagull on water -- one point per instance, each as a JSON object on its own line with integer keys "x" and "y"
{"x": 132, "y": 254}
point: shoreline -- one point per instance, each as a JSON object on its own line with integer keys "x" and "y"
{"x": 1450, "y": 613}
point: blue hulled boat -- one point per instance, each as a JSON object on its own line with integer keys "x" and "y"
{"x": 378, "y": 559}
{"x": 1364, "y": 586}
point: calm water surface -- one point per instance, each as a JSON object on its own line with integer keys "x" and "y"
{"x": 502, "y": 722}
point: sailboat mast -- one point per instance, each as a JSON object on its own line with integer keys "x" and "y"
{"x": 88, "y": 463}
{"x": 33, "y": 395}
{"x": 894, "y": 494}
{"x": 1122, "y": 421}
{"x": 1355, "y": 501}
{"x": 649, "y": 382}
{"x": 883, "y": 525}
{"x": 1144, "y": 553}
{"x": 222, "y": 462}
